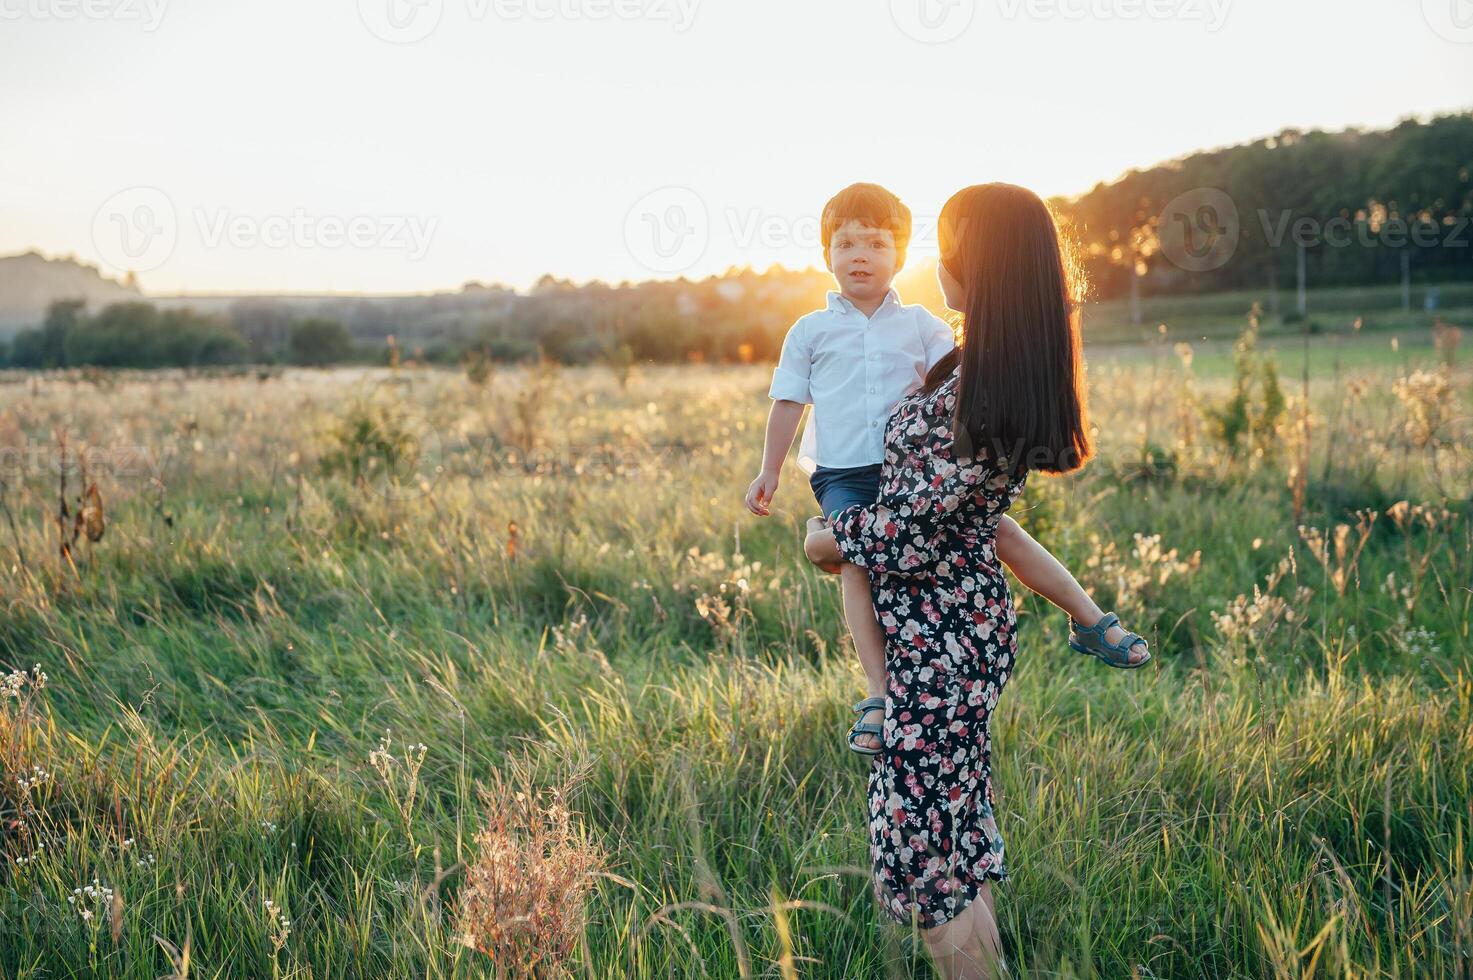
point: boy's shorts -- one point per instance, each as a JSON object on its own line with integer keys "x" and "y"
{"x": 837, "y": 488}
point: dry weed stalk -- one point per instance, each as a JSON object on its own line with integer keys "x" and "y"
{"x": 1335, "y": 553}
{"x": 1427, "y": 398}
{"x": 524, "y": 899}
{"x": 23, "y": 783}
{"x": 400, "y": 776}
{"x": 1255, "y": 620}
{"x": 1410, "y": 519}
{"x": 88, "y": 517}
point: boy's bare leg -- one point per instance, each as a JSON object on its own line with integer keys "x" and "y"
{"x": 1036, "y": 567}
{"x": 820, "y": 547}
{"x": 859, "y": 617}
{"x": 869, "y": 643}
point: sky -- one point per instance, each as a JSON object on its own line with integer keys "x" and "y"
{"x": 391, "y": 146}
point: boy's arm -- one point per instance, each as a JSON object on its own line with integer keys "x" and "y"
{"x": 1033, "y": 565}
{"x": 782, "y": 425}
{"x": 789, "y": 393}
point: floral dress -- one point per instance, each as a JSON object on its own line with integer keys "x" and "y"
{"x": 944, "y": 607}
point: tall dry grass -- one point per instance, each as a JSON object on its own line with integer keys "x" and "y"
{"x": 573, "y": 598}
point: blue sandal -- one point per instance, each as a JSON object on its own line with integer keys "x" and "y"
{"x": 870, "y": 729}
{"x": 1091, "y": 640}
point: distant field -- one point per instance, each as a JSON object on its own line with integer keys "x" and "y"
{"x": 562, "y": 589}
{"x": 1403, "y": 349}
{"x": 1330, "y": 311}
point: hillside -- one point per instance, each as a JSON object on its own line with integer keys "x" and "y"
{"x": 30, "y": 282}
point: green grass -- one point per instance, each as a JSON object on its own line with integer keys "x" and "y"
{"x": 1284, "y": 792}
{"x": 1219, "y": 316}
{"x": 1349, "y": 352}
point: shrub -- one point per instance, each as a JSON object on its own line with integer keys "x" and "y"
{"x": 318, "y": 342}
{"x": 1256, "y": 406}
{"x": 375, "y": 437}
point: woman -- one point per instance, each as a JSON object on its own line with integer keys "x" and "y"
{"x": 1009, "y": 400}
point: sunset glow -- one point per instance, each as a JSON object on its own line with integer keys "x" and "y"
{"x": 298, "y": 148}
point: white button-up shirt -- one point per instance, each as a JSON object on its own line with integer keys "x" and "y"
{"x": 853, "y": 370}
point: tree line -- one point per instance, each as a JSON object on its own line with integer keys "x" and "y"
{"x": 1316, "y": 208}
{"x": 1340, "y": 208}
{"x": 140, "y": 335}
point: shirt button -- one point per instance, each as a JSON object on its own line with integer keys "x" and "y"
{"x": 871, "y": 389}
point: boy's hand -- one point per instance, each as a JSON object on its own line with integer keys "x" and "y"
{"x": 760, "y": 494}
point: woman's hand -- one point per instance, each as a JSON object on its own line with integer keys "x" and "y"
{"x": 820, "y": 546}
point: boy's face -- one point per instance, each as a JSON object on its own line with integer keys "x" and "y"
{"x": 862, "y": 260}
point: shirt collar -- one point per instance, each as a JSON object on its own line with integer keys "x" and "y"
{"x": 839, "y": 304}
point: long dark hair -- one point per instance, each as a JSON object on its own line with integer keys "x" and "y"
{"x": 1021, "y": 393}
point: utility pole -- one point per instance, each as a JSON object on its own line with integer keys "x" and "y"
{"x": 1135, "y": 297}
{"x": 1301, "y": 301}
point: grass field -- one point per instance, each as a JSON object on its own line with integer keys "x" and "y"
{"x": 1329, "y": 311}
{"x": 553, "y": 693}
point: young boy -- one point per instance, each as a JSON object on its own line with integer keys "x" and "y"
{"x": 854, "y": 361}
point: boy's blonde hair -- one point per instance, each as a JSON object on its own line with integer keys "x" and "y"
{"x": 872, "y": 206}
